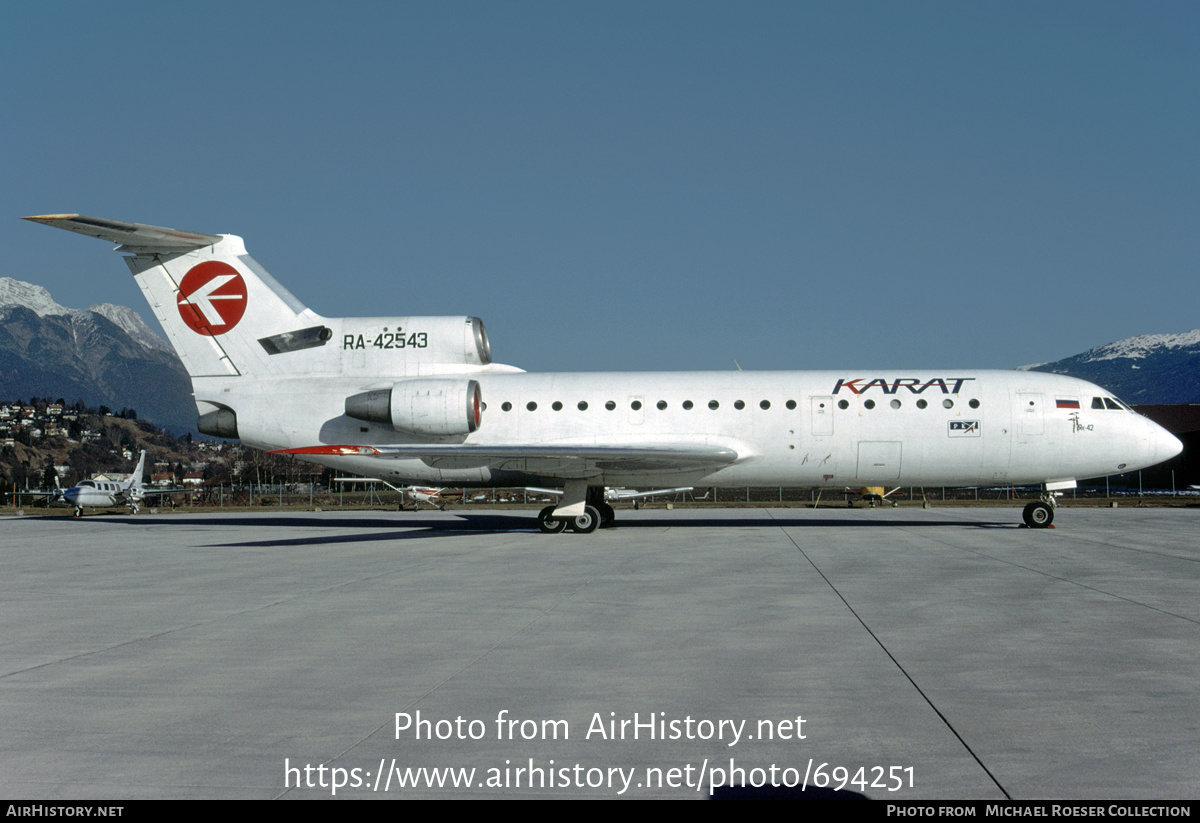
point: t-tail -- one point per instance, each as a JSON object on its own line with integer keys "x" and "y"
{"x": 242, "y": 336}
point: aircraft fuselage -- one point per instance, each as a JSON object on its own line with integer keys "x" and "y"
{"x": 796, "y": 428}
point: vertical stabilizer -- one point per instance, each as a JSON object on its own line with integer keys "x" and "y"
{"x": 137, "y": 481}
{"x": 215, "y": 303}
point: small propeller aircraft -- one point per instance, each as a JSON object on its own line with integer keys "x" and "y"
{"x": 108, "y": 493}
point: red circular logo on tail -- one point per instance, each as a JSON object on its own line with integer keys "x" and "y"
{"x": 212, "y": 298}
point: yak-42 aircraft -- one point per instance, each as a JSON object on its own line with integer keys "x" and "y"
{"x": 419, "y": 400}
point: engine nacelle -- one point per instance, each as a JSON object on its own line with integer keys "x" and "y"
{"x": 442, "y": 340}
{"x": 425, "y": 405}
{"x": 221, "y": 422}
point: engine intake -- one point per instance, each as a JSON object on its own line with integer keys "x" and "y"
{"x": 428, "y": 405}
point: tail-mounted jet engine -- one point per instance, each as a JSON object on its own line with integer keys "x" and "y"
{"x": 440, "y": 340}
{"x": 427, "y": 405}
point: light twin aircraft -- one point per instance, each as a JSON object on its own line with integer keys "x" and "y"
{"x": 419, "y": 400}
{"x": 108, "y": 493}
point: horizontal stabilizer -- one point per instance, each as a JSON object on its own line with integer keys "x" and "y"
{"x": 134, "y": 236}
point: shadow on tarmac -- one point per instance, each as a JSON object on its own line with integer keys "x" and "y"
{"x": 410, "y": 525}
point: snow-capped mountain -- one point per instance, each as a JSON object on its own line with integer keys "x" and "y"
{"x": 38, "y": 300}
{"x": 105, "y": 355}
{"x": 1149, "y": 368}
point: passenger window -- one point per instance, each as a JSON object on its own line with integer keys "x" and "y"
{"x": 582, "y": 405}
{"x": 842, "y": 404}
{"x": 636, "y": 405}
{"x": 870, "y": 404}
{"x": 714, "y": 405}
{"x": 974, "y": 404}
{"x": 531, "y": 406}
{"x": 895, "y": 404}
{"x": 764, "y": 404}
{"x": 610, "y": 405}
{"x": 739, "y": 405}
{"x": 557, "y": 406}
{"x": 791, "y": 404}
{"x": 662, "y": 405}
{"x": 506, "y": 406}
{"x": 922, "y": 403}
{"x": 949, "y": 404}
{"x": 687, "y": 405}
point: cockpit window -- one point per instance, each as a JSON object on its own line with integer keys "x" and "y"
{"x": 1109, "y": 403}
{"x": 86, "y": 484}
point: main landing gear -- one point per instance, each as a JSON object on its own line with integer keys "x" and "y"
{"x": 582, "y": 510}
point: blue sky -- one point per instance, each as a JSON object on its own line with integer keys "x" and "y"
{"x": 637, "y": 185}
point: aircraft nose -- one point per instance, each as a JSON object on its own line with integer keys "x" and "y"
{"x": 1166, "y": 445}
{"x": 1161, "y": 445}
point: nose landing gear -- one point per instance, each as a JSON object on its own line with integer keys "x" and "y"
{"x": 1040, "y": 513}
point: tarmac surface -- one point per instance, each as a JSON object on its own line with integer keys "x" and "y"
{"x": 931, "y": 654}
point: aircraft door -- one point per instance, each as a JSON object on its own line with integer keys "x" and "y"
{"x": 879, "y": 460}
{"x": 1032, "y": 417}
{"x": 822, "y": 415}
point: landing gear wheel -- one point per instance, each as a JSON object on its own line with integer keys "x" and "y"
{"x": 1038, "y": 515}
{"x": 608, "y": 516}
{"x": 587, "y": 522}
{"x": 548, "y": 524}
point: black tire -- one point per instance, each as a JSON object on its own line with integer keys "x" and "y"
{"x": 1038, "y": 515}
{"x": 548, "y": 524}
{"x": 608, "y": 516}
{"x": 587, "y": 522}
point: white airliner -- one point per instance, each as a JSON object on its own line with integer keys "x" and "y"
{"x": 419, "y": 400}
{"x": 108, "y": 493}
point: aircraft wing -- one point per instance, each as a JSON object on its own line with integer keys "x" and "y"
{"x": 565, "y": 460}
